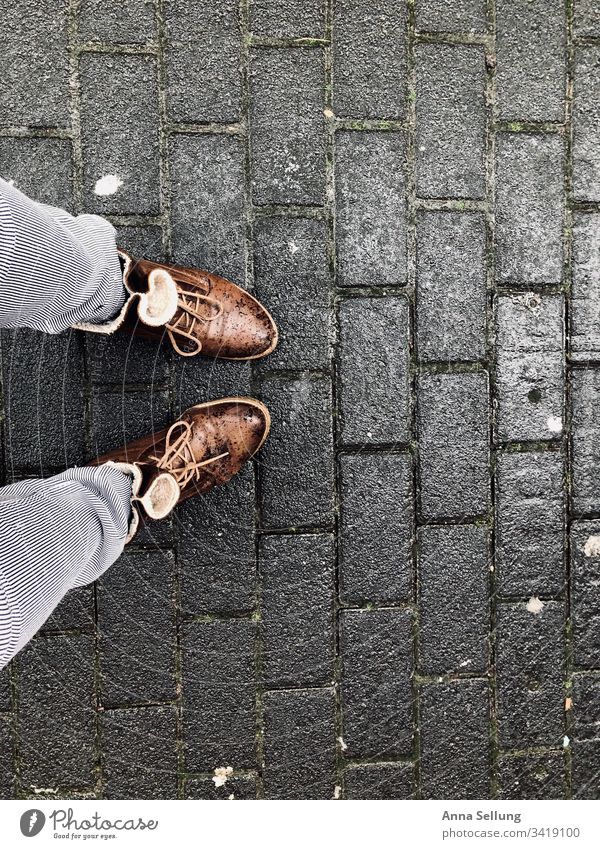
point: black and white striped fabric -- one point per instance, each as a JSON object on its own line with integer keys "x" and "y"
{"x": 56, "y": 534}
{"x": 64, "y": 531}
{"x": 55, "y": 270}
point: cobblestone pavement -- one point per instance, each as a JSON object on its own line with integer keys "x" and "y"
{"x": 402, "y": 597}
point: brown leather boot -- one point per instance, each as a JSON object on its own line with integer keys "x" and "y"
{"x": 198, "y": 311}
{"x": 202, "y": 449}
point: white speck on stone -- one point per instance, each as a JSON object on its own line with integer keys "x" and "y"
{"x": 534, "y": 605}
{"x": 108, "y": 185}
{"x": 328, "y": 113}
{"x": 231, "y": 796}
{"x": 566, "y": 742}
{"x": 222, "y": 773}
{"x": 465, "y": 663}
{"x": 592, "y": 546}
{"x": 293, "y": 247}
{"x": 554, "y": 424}
{"x": 337, "y": 792}
{"x": 343, "y": 744}
{"x": 45, "y": 790}
{"x": 369, "y": 434}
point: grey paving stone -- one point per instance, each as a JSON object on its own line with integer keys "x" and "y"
{"x": 586, "y": 113}
{"x": 118, "y": 418}
{"x": 585, "y": 593}
{"x": 40, "y": 168}
{"x": 585, "y": 747}
{"x": 529, "y": 208}
{"x": 585, "y": 421}
{"x": 56, "y": 723}
{"x": 202, "y": 56}
{"x": 286, "y": 113}
{"x": 207, "y": 212}
{"x": 451, "y": 120}
{"x": 44, "y": 426}
{"x": 530, "y": 53}
{"x": 292, "y": 19}
{"x": 530, "y": 675}
{"x": 293, "y": 281}
{"x": 216, "y": 548}
{"x": 236, "y": 787}
{"x": 219, "y": 693}
{"x": 141, "y": 241}
{"x": 453, "y": 446}
{"x": 120, "y": 359}
{"x": 585, "y": 18}
{"x": 453, "y": 582}
{"x": 379, "y": 781}
{"x": 297, "y": 583}
{"x": 137, "y": 640}
{"x": 586, "y": 770}
{"x": 451, "y": 15}
{"x": 530, "y": 367}
{"x": 139, "y": 753}
{"x": 34, "y": 47}
{"x": 76, "y": 610}
{"x": 299, "y": 744}
{"x": 530, "y": 523}
{"x": 374, "y": 370}
{"x": 296, "y": 462}
{"x": 585, "y": 291}
{"x": 6, "y": 759}
{"x": 114, "y": 22}
{"x": 455, "y": 748}
{"x": 533, "y": 776}
{"x": 376, "y": 528}
{"x": 199, "y": 379}
{"x": 5, "y": 689}
{"x": 451, "y": 286}
{"x": 119, "y": 132}
{"x": 377, "y": 663}
{"x": 369, "y": 59}
{"x": 370, "y": 208}
{"x": 586, "y": 706}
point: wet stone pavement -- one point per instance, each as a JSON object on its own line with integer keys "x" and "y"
{"x": 401, "y": 597}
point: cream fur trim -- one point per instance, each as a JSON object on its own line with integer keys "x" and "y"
{"x": 159, "y": 304}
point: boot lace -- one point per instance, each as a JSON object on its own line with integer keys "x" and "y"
{"x": 188, "y": 315}
{"x": 178, "y": 458}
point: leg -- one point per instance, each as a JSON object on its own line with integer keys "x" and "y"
{"x": 56, "y": 534}
{"x": 55, "y": 270}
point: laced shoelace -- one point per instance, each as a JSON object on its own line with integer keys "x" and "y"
{"x": 189, "y": 315}
{"x": 179, "y": 449}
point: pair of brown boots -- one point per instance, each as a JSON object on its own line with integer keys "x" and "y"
{"x": 198, "y": 312}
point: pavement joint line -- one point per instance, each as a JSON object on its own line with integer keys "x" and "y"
{"x": 490, "y": 223}
{"x": 411, "y": 284}
{"x": 569, "y": 659}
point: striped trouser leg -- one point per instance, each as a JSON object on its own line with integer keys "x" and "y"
{"x": 55, "y": 270}
{"x": 55, "y": 534}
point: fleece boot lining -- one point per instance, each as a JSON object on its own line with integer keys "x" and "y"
{"x": 158, "y": 305}
{"x": 161, "y": 496}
